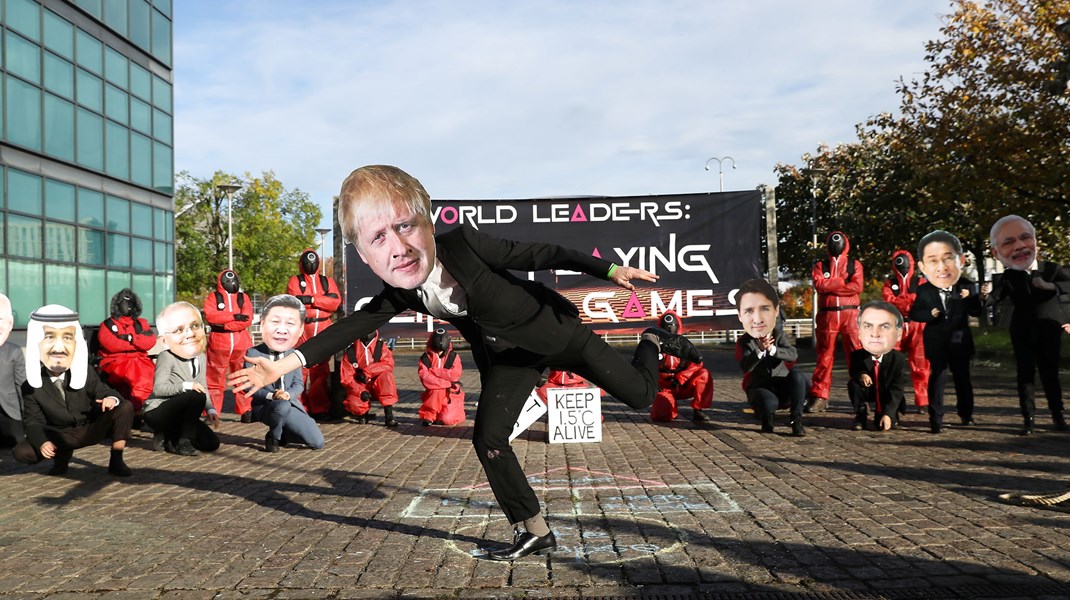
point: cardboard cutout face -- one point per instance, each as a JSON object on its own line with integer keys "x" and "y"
{"x": 941, "y": 266}
{"x": 186, "y": 338}
{"x": 398, "y": 246}
{"x": 757, "y": 314}
{"x": 57, "y": 348}
{"x": 1016, "y": 246}
{"x": 877, "y": 331}
{"x": 6, "y": 323}
{"x": 281, "y": 327}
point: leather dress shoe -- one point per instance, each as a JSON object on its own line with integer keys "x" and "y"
{"x": 767, "y": 424}
{"x": 185, "y": 448}
{"x": 797, "y": 429}
{"x": 270, "y": 443}
{"x": 816, "y": 405}
{"x": 699, "y": 417}
{"x": 1027, "y": 428}
{"x": 674, "y": 344}
{"x": 247, "y": 416}
{"x": 524, "y": 543}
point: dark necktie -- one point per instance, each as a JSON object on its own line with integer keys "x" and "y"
{"x": 945, "y": 296}
{"x": 58, "y": 382}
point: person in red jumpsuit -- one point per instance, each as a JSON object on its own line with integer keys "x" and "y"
{"x": 900, "y": 289}
{"x": 838, "y": 280}
{"x": 679, "y": 379}
{"x": 319, "y": 294}
{"x": 367, "y": 373}
{"x": 229, "y": 313}
{"x": 440, "y": 373}
{"x": 124, "y": 340}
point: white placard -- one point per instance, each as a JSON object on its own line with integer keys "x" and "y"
{"x": 533, "y": 409}
{"x": 575, "y": 415}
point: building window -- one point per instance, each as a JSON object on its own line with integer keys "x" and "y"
{"x": 60, "y": 242}
{"x": 141, "y": 219}
{"x": 161, "y": 126}
{"x": 141, "y": 254}
{"x": 163, "y": 177}
{"x": 90, "y": 140}
{"x": 90, "y": 91}
{"x": 115, "y": 15}
{"x": 140, "y": 116}
{"x": 117, "y": 280}
{"x": 161, "y": 37}
{"x": 140, "y": 160}
{"x": 59, "y": 200}
{"x": 58, "y": 288}
{"x": 24, "y": 16}
{"x": 140, "y": 82}
{"x": 116, "y": 104}
{"x": 118, "y": 214}
{"x": 89, "y": 51}
{"x": 59, "y": 128}
{"x": 143, "y": 286}
{"x": 90, "y": 6}
{"x": 23, "y": 114}
{"x": 118, "y": 253}
{"x": 117, "y": 150}
{"x": 25, "y": 290}
{"x": 24, "y": 236}
{"x": 92, "y": 304}
{"x": 90, "y": 246}
{"x": 161, "y": 94}
{"x": 116, "y": 68}
{"x": 90, "y": 208}
{"x": 59, "y": 35}
{"x": 59, "y": 75}
{"x": 24, "y": 192}
{"x": 23, "y": 58}
{"x": 140, "y": 26}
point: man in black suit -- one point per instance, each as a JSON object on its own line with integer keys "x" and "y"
{"x": 516, "y": 328}
{"x": 66, "y": 405}
{"x": 945, "y": 303}
{"x": 878, "y": 372}
{"x": 1039, "y": 292}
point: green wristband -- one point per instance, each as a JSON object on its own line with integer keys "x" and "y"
{"x": 612, "y": 267}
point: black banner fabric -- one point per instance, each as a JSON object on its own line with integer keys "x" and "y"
{"x": 702, "y": 246}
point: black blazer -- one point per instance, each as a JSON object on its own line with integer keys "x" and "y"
{"x": 1033, "y": 306}
{"x": 950, "y": 331}
{"x": 523, "y": 313}
{"x": 44, "y": 408}
{"x": 894, "y": 376}
{"x": 764, "y": 369}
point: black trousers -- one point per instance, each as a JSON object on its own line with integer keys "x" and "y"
{"x": 1037, "y": 346}
{"x": 114, "y": 424}
{"x": 179, "y": 418}
{"x": 11, "y": 432}
{"x": 958, "y": 363}
{"x": 781, "y": 392}
{"x": 509, "y": 378}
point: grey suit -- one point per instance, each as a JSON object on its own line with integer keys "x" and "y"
{"x": 284, "y": 417}
{"x": 12, "y": 376}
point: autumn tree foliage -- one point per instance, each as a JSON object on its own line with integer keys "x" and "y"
{"x": 983, "y": 132}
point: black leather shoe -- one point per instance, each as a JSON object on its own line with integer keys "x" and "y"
{"x": 388, "y": 417}
{"x": 60, "y": 463}
{"x": 699, "y": 417}
{"x": 1027, "y": 429}
{"x": 674, "y": 344}
{"x": 185, "y": 448}
{"x": 936, "y": 427}
{"x": 159, "y": 441}
{"x": 426, "y": 423}
{"x": 1060, "y": 422}
{"x": 119, "y": 468}
{"x": 270, "y": 443}
{"x": 247, "y": 416}
{"x": 797, "y": 428}
{"x": 524, "y": 544}
{"x": 767, "y": 424}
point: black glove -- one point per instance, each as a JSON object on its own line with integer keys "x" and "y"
{"x": 360, "y": 376}
{"x": 305, "y": 299}
{"x": 241, "y": 317}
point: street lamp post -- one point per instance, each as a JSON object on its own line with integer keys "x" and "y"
{"x": 720, "y": 172}
{"x": 811, "y": 173}
{"x": 229, "y": 189}
{"x": 323, "y": 231}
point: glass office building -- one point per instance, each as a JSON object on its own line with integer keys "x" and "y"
{"x": 86, "y": 154}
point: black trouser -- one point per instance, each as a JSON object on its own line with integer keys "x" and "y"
{"x": 1037, "y": 346}
{"x": 780, "y": 392}
{"x": 509, "y": 378}
{"x": 114, "y": 424}
{"x": 11, "y": 432}
{"x": 179, "y": 418}
{"x": 959, "y": 364}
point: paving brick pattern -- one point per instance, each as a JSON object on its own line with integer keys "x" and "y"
{"x": 655, "y": 510}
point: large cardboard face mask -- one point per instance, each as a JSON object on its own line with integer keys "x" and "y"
{"x": 186, "y": 338}
{"x": 878, "y": 332}
{"x": 57, "y": 348}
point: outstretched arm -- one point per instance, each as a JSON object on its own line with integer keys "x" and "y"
{"x": 623, "y": 276}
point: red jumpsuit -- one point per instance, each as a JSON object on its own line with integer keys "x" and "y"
{"x": 319, "y": 293}
{"x": 376, "y": 362}
{"x": 900, "y": 290}
{"x": 837, "y": 299}
{"x": 563, "y": 379}
{"x": 124, "y": 357}
{"x": 679, "y": 379}
{"x": 442, "y": 398}
{"x": 229, "y": 315}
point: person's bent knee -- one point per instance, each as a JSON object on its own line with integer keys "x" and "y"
{"x": 25, "y": 453}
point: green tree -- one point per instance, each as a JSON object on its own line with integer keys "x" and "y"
{"x": 272, "y": 225}
{"x": 985, "y": 131}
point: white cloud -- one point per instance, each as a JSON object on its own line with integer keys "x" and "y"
{"x": 485, "y": 99}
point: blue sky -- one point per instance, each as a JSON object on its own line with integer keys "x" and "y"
{"x": 522, "y": 99}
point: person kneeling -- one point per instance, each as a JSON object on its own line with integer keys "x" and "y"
{"x": 878, "y": 372}
{"x": 179, "y": 390}
{"x": 72, "y": 408}
{"x": 278, "y": 405}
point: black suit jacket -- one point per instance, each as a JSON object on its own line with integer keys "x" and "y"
{"x": 523, "y": 313}
{"x": 893, "y": 377}
{"x": 44, "y": 408}
{"x": 949, "y": 332}
{"x": 763, "y": 370}
{"x": 1033, "y": 306}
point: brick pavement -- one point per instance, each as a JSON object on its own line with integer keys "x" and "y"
{"x": 654, "y": 510}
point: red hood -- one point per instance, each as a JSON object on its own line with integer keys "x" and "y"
{"x": 661, "y": 321}
{"x": 903, "y": 280}
{"x": 219, "y": 282}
